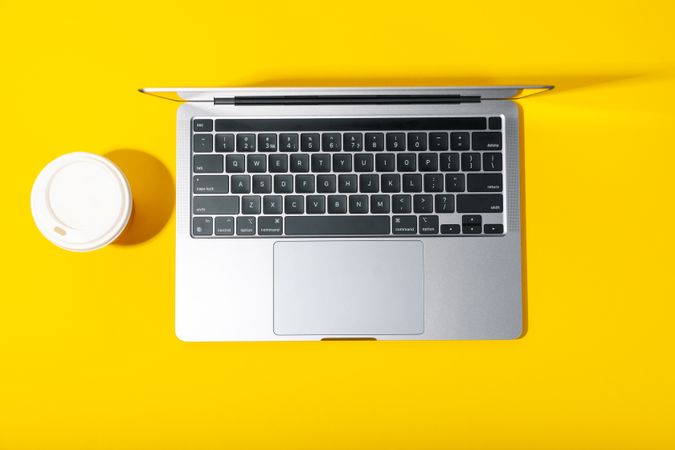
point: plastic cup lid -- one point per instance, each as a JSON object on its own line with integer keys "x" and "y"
{"x": 81, "y": 201}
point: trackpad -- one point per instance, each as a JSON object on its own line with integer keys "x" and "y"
{"x": 348, "y": 287}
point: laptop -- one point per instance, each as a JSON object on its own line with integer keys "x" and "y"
{"x": 348, "y": 213}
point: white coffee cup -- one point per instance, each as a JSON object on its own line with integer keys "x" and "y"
{"x": 81, "y": 201}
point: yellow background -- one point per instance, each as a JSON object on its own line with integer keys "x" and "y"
{"x": 88, "y": 357}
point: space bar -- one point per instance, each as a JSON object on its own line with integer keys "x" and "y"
{"x": 337, "y": 225}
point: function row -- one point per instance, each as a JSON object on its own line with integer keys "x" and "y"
{"x": 337, "y": 226}
{"x": 344, "y": 162}
{"x": 347, "y": 183}
{"x": 344, "y": 204}
{"x": 349, "y": 142}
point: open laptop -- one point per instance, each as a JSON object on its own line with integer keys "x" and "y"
{"x": 338, "y": 213}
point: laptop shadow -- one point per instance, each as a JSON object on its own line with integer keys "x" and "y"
{"x": 153, "y": 191}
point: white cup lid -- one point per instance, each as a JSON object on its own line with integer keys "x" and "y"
{"x": 81, "y": 201}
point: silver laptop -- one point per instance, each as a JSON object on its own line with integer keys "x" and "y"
{"x": 348, "y": 213}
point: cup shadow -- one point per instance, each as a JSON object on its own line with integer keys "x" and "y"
{"x": 153, "y": 191}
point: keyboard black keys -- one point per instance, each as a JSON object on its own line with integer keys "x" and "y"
{"x": 369, "y": 183}
{"x": 255, "y": 163}
{"x": 444, "y": 203}
{"x": 493, "y": 228}
{"x": 423, "y": 203}
{"x": 480, "y": 203}
{"x": 492, "y": 162}
{"x": 330, "y": 142}
{"x": 391, "y": 182}
{"x": 342, "y": 162}
{"x": 246, "y": 142}
{"x": 412, "y": 182}
{"x": 262, "y": 184}
{"x": 267, "y": 142}
{"x": 241, "y": 184}
{"x": 454, "y": 182}
{"x": 449, "y": 162}
{"x": 325, "y": 184}
{"x": 210, "y": 184}
{"x": 336, "y": 225}
{"x": 385, "y": 162}
{"x": 235, "y": 163}
{"x": 278, "y": 163}
{"x": 438, "y": 141}
{"x": 379, "y": 204}
{"x": 272, "y": 204}
{"x": 428, "y": 224}
{"x": 347, "y": 184}
{"x": 250, "y": 204}
{"x": 352, "y": 142}
{"x": 337, "y": 204}
{"x": 212, "y": 204}
{"x": 224, "y": 142}
{"x": 484, "y": 182}
{"x": 428, "y": 162}
{"x": 245, "y": 225}
{"x": 309, "y": 142}
{"x": 417, "y": 141}
{"x": 486, "y": 140}
{"x": 401, "y": 203}
{"x": 321, "y": 162}
{"x": 363, "y": 162}
{"x": 406, "y": 162}
{"x": 202, "y": 125}
{"x": 433, "y": 182}
{"x": 471, "y": 229}
{"x": 304, "y": 184}
{"x": 202, "y": 226}
{"x": 470, "y": 162}
{"x": 224, "y": 226}
{"x": 207, "y": 164}
{"x": 495, "y": 123}
{"x": 459, "y": 141}
{"x": 358, "y": 204}
{"x": 202, "y": 143}
{"x": 404, "y": 225}
{"x": 374, "y": 142}
{"x": 288, "y": 142}
{"x": 299, "y": 162}
{"x": 315, "y": 204}
{"x": 283, "y": 184}
{"x": 270, "y": 226}
{"x": 395, "y": 142}
{"x": 472, "y": 219}
{"x": 294, "y": 204}
{"x": 450, "y": 229}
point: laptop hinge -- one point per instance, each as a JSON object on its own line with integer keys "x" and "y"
{"x": 345, "y": 100}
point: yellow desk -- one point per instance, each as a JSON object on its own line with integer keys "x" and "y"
{"x": 88, "y": 357}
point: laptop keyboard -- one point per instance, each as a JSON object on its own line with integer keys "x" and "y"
{"x": 425, "y": 176}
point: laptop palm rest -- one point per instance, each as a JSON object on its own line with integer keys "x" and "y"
{"x": 348, "y": 287}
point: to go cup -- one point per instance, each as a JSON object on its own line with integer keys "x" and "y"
{"x": 81, "y": 201}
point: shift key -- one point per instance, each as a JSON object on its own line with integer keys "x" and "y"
{"x": 480, "y": 203}
{"x": 216, "y": 204}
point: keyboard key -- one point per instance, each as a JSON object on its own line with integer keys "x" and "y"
{"x": 449, "y": 162}
{"x": 213, "y": 204}
{"x": 235, "y": 163}
{"x": 428, "y": 224}
{"x": 207, "y": 164}
{"x": 255, "y": 163}
{"x": 250, "y": 204}
{"x": 369, "y": 183}
{"x": 486, "y": 140}
{"x": 395, "y": 142}
{"x": 337, "y": 204}
{"x": 450, "y": 229}
{"x": 245, "y": 226}
{"x": 321, "y": 162}
{"x": 202, "y": 125}
{"x": 480, "y": 203}
{"x": 438, "y": 141}
{"x": 495, "y": 123}
{"x": 493, "y": 228}
{"x": 471, "y": 229}
{"x": 210, "y": 184}
{"x": 428, "y": 162}
{"x": 202, "y": 226}
{"x": 391, "y": 182}
{"x": 484, "y": 182}
{"x": 270, "y": 226}
{"x": 246, "y": 142}
{"x": 385, "y": 162}
{"x": 309, "y": 142}
{"x": 342, "y": 162}
{"x": 225, "y": 142}
{"x": 241, "y": 184}
{"x": 406, "y": 162}
{"x": 288, "y": 142}
{"x": 470, "y": 162}
{"x": 379, "y": 204}
{"x": 433, "y": 182}
{"x": 363, "y": 163}
{"x": 454, "y": 182}
{"x": 262, "y": 184}
{"x": 336, "y": 225}
{"x": 304, "y": 184}
{"x": 224, "y": 226}
{"x": 352, "y": 142}
{"x": 325, "y": 184}
{"x": 347, "y": 184}
{"x": 358, "y": 204}
{"x": 267, "y": 142}
{"x": 272, "y": 204}
{"x": 401, "y": 203}
{"x": 278, "y": 163}
{"x": 299, "y": 163}
{"x": 330, "y": 142}
{"x": 472, "y": 219}
{"x": 283, "y": 184}
{"x": 294, "y": 204}
{"x": 459, "y": 141}
{"x": 412, "y": 182}
{"x": 444, "y": 203}
{"x": 417, "y": 141}
{"x": 202, "y": 143}
{"x": 404, "y": 225}
{"x": 374, "y": 142}
{"x": 423, "y": 204}
{"x": 492, "y": 162}
{"x": 316, "y": 204}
